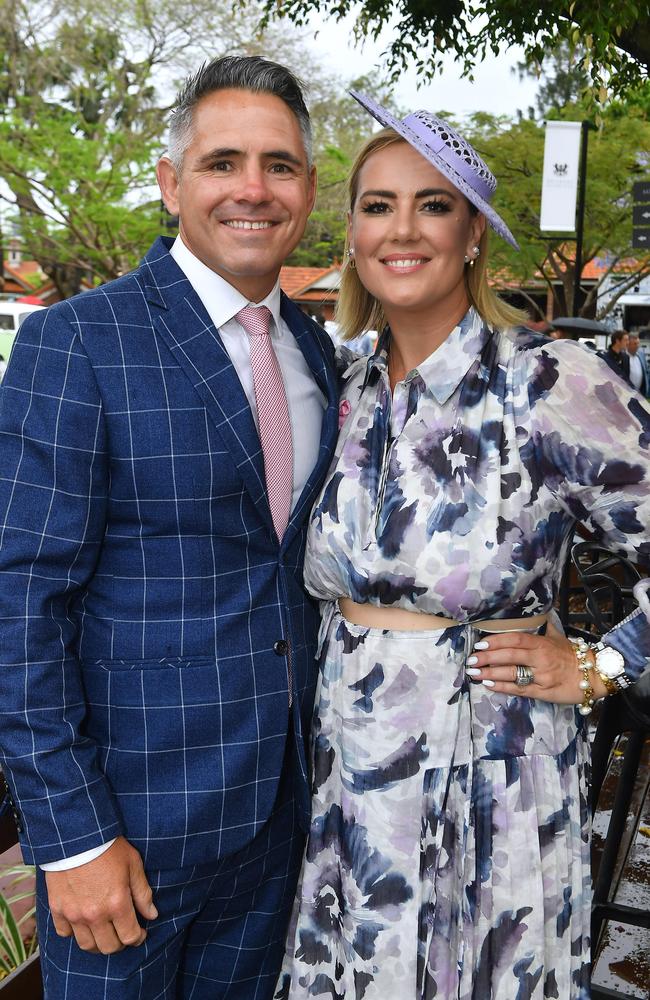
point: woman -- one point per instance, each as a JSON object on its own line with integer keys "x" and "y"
{"x": 448, "y": 855}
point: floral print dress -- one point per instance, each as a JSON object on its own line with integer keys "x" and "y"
{"x": 448, "y": 855}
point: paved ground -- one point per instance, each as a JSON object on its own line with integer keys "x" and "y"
{"x": 623, "y": 962}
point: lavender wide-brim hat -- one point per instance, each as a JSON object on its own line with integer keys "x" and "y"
{"x": 449, "y": 153}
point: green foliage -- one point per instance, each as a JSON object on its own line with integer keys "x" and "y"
{"x": 615, "y": 36}
{"x": 84, "y": 94}
{"x": 562, "y": 77}
{"x": 515, "y": 153}
{"x": 13, "y": 950}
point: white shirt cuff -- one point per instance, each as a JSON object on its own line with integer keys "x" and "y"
{"x": 76, "y": 860}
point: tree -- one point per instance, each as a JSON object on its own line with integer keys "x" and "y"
{"x": 515, "y": 154}
{"x": 616, "y": 36}
{"x": 561, "y": 75}
{"x": 84, "y": 94}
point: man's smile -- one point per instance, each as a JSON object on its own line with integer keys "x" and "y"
{"x": 248, "y": 224}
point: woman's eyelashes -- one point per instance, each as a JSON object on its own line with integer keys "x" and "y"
{"x": 436, "y": 205}
{"x": 432, "y": 206}
{"x": 375, "y": 207}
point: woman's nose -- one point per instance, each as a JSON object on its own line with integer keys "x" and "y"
{"x": 405, "y": 225}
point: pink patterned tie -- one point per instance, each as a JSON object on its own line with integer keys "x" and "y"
{"x": 272, "y": 414}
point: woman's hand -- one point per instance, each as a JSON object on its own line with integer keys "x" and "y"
{"x": 550, "y": 657}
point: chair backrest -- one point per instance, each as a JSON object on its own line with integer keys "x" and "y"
{"x": 608, "y": 580}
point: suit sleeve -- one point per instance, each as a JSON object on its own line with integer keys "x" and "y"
{"x": 591, "y": 439}
{"x": 53, "y": 498}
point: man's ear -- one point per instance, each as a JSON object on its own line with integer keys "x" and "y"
{"x": 168, "y": 183}
{"x": 313, "y": 184}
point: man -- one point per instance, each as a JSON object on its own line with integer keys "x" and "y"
{"x": 638, "y": 366}
{"x": 616, "y": 354}
{"x": 162, "y": 441}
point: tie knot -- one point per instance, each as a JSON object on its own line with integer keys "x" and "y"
{"x": 256, "y": 320}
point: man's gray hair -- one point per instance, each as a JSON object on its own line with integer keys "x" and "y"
{"x": 252, "y": 73}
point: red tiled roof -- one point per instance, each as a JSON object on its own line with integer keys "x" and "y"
{"x": 294, "y": 279}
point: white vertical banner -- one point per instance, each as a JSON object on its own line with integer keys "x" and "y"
{"x": 560, "y": 177}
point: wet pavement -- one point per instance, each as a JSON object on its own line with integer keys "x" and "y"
{"x": 623, "y": 959}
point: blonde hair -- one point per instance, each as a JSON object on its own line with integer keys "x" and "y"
{"x": 357, "y": 310}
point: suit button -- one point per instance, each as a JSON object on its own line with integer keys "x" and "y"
{"x": 281, "y": 647}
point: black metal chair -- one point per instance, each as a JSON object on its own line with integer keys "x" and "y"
{"x": 607, "y": 580}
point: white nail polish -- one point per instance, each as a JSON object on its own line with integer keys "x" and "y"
{"x": 471, "y": 660}
{"x": 481, "y": 644}
{"x": 488, "y": 684}
{"x": 473, "y": 671}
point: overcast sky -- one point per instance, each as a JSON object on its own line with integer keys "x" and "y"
{"x": 495, "y": 88}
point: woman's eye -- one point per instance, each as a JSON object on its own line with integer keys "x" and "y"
{"x": 436, "y": 205}
{"x": 374, "y": 207}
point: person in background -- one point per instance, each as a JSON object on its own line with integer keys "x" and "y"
{"x": 639, "y": 376}
{"x": 616, "y": 354}
{"x": 162, "y": 439}
{"x": 448, "y": 854}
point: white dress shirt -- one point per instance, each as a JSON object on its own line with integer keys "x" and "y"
{"x": 306, "y": 401}
{"x": 636, "y": 371}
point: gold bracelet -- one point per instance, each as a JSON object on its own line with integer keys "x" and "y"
{"x": 611, "y": 686}
{"x": 584, "y": 662}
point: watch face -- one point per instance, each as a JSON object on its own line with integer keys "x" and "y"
{"x": 610, "y": 662}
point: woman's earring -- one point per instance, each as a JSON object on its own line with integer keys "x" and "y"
{"x": 351, "y": 261}
{"x": 476, "y": 251}
{"x": 468, "y": 259}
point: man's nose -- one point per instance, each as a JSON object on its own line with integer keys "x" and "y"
{"x": 253, "y": 186}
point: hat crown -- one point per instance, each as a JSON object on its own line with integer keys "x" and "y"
{"x": 441, "y": 131}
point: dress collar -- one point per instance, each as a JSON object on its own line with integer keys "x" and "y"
{"x": 443, "y": 371}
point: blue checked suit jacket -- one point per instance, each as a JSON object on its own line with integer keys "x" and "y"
{"x": 145, "y": 601}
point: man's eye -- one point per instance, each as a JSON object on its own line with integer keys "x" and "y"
{"x": 281, "y": 168}
{"x": 222, "y": 165}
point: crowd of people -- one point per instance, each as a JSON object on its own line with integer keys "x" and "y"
{"x": 287, "y": 710}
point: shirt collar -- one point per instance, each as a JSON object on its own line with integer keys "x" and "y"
{"x": 221, "y": 299}
{"x": 443, "y": 371}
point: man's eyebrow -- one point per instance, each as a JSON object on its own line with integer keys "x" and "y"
{"x": 223, "y": 152}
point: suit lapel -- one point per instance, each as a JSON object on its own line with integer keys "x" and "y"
{"x": 179, "y": 317}
{"x": 325, "y": 376}
{"x": 194, "y": 342}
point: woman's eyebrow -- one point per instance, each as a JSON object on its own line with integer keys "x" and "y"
{"x": 423, "y": 193}
{"x": 376, "y": 193}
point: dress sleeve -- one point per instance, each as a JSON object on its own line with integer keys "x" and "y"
{"x": 590, "y": 445}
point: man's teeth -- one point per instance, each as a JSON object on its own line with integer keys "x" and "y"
{"x": 405, "y": 263}
{"x": 241, "y": 224}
